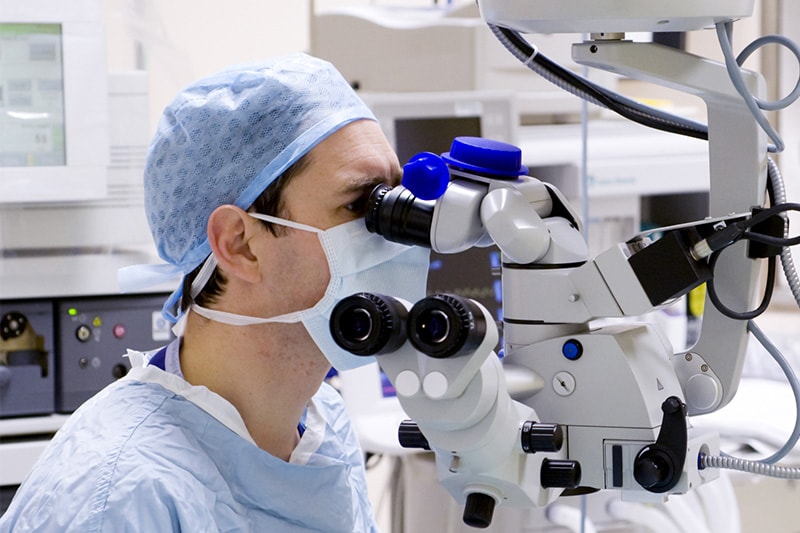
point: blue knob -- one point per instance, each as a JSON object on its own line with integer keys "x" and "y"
{"x": 426, "y": 176}
{"x": 572, "y": 349}
{"x": 486, "y": 156}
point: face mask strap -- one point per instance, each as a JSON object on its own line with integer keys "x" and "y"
{"x": 203, "y": 276}
{"x": 284, "y": 222}
{"x": 232, "y": 319}
{"x": 211, "y": 262}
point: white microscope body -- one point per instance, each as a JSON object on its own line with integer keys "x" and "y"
{"x": 572, "y": 407}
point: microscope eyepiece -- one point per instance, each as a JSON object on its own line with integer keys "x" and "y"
{"x": 369, "y": 324}
{"x": 446, "y": 325}
{"x": 399, "y": 216}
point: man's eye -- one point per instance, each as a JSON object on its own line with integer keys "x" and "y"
{"x": 359, "y": 206}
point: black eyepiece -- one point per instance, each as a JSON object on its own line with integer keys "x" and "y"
{"x": 446, "y": 325}
{"x": 399, "y": 216}
{"x": 369, "y": 324}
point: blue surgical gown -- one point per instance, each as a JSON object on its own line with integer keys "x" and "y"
{"x": 152, "y": 453}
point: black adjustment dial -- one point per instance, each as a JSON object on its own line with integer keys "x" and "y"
{"x": 539, "y": 437}
{"x": 12, "y": 325}
{"x": 479, "y": 510}
{"x": 410, "y": 436}
{"x": 560, "y": 474}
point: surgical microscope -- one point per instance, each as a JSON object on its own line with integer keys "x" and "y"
{"x": 576, "y": 405}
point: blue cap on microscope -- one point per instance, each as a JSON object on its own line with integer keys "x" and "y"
{"x": 486, "y": 156}
{"x": 426, "y": 176}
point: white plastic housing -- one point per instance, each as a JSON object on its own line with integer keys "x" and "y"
{"x": 596, "y": 16}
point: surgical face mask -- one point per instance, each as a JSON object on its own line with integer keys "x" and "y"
{"x": 359, "y": 261}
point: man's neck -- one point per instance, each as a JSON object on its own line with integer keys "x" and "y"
{"x": 263, "y": 370}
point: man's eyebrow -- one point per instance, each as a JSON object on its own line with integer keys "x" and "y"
{"x": 358, "y": 185}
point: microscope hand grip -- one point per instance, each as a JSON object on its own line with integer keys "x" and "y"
{"x": 515, "y": 226}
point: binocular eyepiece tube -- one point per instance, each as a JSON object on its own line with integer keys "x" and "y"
{"x": 440, "y": 326}
{"x": 399, "y": 216}
{"x": 446, "y": 325}
{"x": 369, "y": 324}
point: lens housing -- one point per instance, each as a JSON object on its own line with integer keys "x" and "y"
{"x": 446, "y": 325}
{"x": 399, "y": 216}
{"x": 369, "y": 324}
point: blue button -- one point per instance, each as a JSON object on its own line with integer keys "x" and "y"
{"x": 572, "y": 349}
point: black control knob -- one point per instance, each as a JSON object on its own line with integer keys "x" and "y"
{"x": 654, "y": 468}
{"x": 538, "y": 437}
{"x": 83, "y": 333}
{"x": 12, "y": 325}
{"x": 658, "y": 467}
{"x": 119, "y": 371}
{"x": 478, "y": 510}
{"x": 410, "y": 436}
{"x": 560, "y": 474}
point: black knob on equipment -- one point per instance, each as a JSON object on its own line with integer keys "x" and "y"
{"x": 653, "y": 469}
{"x": 410, "y": 436}
{"x": 12, "y": 325}
{"x": 478, "y": 510}
{"x": 538, "y": 437}
{"x": 658, "y": 467}
{"x": 560, "y": 474}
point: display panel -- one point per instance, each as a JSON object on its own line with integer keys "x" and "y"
{"x": 53, "y": 101}
{"x": 31, "y": 96}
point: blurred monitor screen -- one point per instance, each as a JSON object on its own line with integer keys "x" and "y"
{"x": 53, "y": 101}
{"x": 31, "y": 96}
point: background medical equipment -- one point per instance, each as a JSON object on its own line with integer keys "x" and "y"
{"x": 27, "y": 366}
{"x": 54, "y": 354}
{"x": 53, "y": 71}
{"x": 642, "y": 446}
{"x": 627, "y": 160}
{"x": 71, "y": 215}
{"x": 415, "y": 50}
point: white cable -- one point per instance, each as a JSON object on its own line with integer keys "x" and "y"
{"x": 787, "y": 260}
{"x": 682, "y": 513}
{"x": 724, "y": 30}
{"x": 641, "y": 514}
{"x": 570, "y": 518}
{"x": 720, "y": 505}
{"x": 790, "y": 45}
{"x": 794, "y": 383}
{"x": 751, "y": 467}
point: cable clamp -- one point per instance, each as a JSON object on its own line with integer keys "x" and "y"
{"x": 533, "y": 55}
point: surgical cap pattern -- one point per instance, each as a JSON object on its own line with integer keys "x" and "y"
{"x": 226, "y": 138}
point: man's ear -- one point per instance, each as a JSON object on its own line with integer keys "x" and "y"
{"x": 230, "y": 230}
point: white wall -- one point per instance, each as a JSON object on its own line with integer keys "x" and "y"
{"x": 187, "y": 39}
{"x": 182, "y": 40}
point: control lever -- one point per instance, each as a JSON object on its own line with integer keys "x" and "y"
{"x": 658, "y": 467}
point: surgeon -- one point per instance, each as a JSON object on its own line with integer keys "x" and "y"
{"x": 255, "y": 189}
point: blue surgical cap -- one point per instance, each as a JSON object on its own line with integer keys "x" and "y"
{"x": 224, "y": 139}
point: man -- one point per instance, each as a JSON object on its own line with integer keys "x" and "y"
{"x": 255, "y": 185}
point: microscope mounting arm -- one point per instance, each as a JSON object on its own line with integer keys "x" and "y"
{"x": 737, "y": 144}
